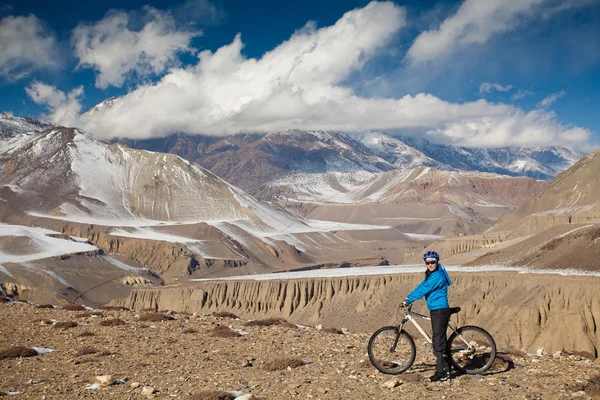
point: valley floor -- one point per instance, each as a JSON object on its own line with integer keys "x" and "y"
{"x": 180, "y": 358}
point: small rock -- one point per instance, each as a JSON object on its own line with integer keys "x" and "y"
{"x": 247, "y": 396}
{"x": 135, "y": 385}
{"x": 147, "y": 390}
{"x": 540, "y": 351}
{"x": 319, "y": 327}
{"x": 581, "y": 393}
{"x": 321, "y": 390}
{"x": 93, "y": 386}
{"x": 103, "y": 380}
{"x": 391, "y": 384}
{"x": 557, "y": 354}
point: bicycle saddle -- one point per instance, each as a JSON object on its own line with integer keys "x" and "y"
{"x": 454, "y": 310}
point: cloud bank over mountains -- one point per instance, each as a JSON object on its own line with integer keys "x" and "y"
{"x": 302, "y": 83}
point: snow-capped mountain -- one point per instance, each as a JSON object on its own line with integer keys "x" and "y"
{"x": 395, "y": 151}
{"x": 64, "y": 174}
{"x": 108, "y": 103}
{"x": 11, "y": 125}
{"x": 537, "y": 162}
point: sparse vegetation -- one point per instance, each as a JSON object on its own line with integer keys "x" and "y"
{"x": 17, "y": 351}
{"x": 224, "y": 332}
{"x": 224, "y": 314}
{"x": 332, "y": 330}
{"x": 112, "y": 322}
{"x": 84, "y": 351}
{"x": 65, "y": 325}
{"x": 74, "y": 307}
{"x": 212, "y": 395}
{"x": 154, "y": 317}
{"x": 268, "y": 322}
{"x": 113, "y": 308}
{"x": 283, "y": 363}
{"x": 86, "y": 334}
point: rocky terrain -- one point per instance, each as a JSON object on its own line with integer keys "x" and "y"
{"x": 114, "y": 353}
{"x": 367, "y": 178}
{"x": 557, "y": 229}
{"x": 525, "y": 310}
{"x": 573, "y": 197}
{"x": 159, "y": 215}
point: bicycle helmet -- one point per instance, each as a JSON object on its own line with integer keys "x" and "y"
{"x": 431, "y": 254}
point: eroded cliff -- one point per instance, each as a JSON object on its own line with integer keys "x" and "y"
{"x": 524, "y": 311}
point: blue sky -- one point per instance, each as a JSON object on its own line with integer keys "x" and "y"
{"x": 515, "y": 72}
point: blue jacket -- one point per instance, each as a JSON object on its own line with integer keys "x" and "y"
{"x": 434, "y": 288}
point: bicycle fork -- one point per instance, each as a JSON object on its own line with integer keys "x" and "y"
{"x": 398, "y": 330}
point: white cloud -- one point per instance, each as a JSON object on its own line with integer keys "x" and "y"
{"x": 551, "y": 99}
{"x": 25, "y": 45}
{"x": 198, "y": 11}
{"x": 517, "y": 128}
{"x": 64, "y": 108}
{"x": 521, "y": 94}
{"x": 486, "y": 87}
{"x": 302, "y": 84}
{"x": 476, "y": 21}
{"x": 115, "y": 51}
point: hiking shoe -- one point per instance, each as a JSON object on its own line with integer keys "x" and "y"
{"x": 439, "y": 377}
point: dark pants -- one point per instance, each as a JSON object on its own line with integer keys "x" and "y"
{"x": 439, "y": 325}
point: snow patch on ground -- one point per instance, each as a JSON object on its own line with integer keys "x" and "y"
{"x": 419, "y": 236}
{"x": 46, "y": 246}
{"x": 573, "y": 230}
{"x": 149, "y": 234}
{"x": 5, "y": 271}
{"x": 396, "y": 269}
{"x": 122, "y": 265}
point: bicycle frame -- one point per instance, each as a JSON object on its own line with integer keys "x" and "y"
{"x": 409, "y": 317}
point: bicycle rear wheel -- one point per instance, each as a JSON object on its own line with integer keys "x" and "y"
{"x": 391, "y": 351}
{"x": 472, "y": 349}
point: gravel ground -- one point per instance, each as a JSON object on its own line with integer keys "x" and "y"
{"x": 186, "y": 356}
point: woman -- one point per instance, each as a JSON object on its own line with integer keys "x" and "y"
{"x": 435, "y": 289}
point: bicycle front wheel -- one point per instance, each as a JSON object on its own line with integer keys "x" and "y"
{"x": 391, "y": 351}
{"x": 472, "y": 350}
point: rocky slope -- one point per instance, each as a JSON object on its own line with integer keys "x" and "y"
{"x": 11, "y": 125}
{"x": 428, "y": 201}
{"x": 328, "y": 169}
{"x": 165, "y": 213}
{"x": 526, "y": 311}
{"x": 556, "y": 229}
{"x": 573, "y": 197}
{"x": 182, "y": 358}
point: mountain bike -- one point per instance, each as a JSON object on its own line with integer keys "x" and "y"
{"x": 392, "y": 350}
